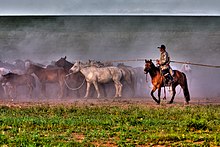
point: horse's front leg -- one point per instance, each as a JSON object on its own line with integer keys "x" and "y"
{"x": 61, "y": 94}
{"x": 96, "y": 88}
{"x": 120, "y": 89}
{"x": 159, "y": 93}
{"x": 9, "y": 89}
{"x": 152, "y": 94}
{"x": 30, "y": 90}
{"x": 5, "y": 88}
{"x": 16, "y": 92}
{"x": 43, "y": 90}
{"x": 87, "y": 89}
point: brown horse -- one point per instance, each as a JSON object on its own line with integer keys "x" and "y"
{"x": 75, "y": 80}
{"x": 11, "y": 81}
{"x": 158, "y": 81}
{"x": 129, "y": 77}
{"x": 47, "y": 75}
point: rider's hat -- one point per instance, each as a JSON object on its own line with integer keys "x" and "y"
{"x": 162, "y": 47}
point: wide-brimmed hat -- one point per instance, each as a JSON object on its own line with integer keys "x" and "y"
{"x": 162, "y": 47}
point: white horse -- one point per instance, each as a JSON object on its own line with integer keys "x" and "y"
{"x": 4, "y": 71}
{"x": 95, "y": 75}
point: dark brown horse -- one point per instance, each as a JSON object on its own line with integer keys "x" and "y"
{"x": 75, "y": 80}
{"x": 129, "y": 77}
{"x": 11, "y": 81}
{"x": 47, "y": 75}
{"x": 158, "y": 81}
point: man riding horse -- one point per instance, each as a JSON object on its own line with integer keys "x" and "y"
{"x": 164, "y": 65}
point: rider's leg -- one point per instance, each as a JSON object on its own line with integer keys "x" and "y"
{"x": 167, "y": 75}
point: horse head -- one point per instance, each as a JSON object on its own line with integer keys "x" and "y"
{"x": 149, "y": 66}
{"x": 61, "y": 62}
{"x": 76, "y": 67}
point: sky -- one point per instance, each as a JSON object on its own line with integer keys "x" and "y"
{"x": 110, "y": 7}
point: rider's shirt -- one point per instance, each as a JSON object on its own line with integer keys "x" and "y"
{"x": 164, "y": 60}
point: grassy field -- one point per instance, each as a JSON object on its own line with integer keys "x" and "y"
{"x": 110, "y": 126}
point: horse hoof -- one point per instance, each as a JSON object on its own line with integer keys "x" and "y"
{"x": 170, "y": 102}
{"x": 186, "y": 103}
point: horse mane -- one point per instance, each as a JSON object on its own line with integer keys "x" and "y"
{"x": 123, "y": 65}
{"x": 38, "y": 66}
{"x": 10, "y": 74}
{"x": 99, "y": 64}
{"x": 154, "y": 67}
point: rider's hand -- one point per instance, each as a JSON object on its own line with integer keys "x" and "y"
{"x": 158, "y": 62}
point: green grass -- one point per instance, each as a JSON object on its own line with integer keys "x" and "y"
{"x": 105, "y": 126}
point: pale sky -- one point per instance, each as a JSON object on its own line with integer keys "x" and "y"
{"x": 110, "y": 7}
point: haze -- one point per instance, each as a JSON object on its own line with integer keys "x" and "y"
{"x": 44, "y": 39}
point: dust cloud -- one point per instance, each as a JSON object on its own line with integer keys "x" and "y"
{"x": 106, "y": 38}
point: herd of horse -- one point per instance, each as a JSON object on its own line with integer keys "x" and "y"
{"x": 103, "y": 76}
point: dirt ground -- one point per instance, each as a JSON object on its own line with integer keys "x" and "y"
{"x": 121, "y": 102}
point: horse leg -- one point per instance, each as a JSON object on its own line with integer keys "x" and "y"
{"x": 104, "y": 90}
{"x": 43, "y": 90}
{"x": 87, "y": 89}
{"x": 173, "y": 95}
{"x": 16, "y": 92}
{"x": 10, "y": 91}
{"x": 152, "y": 94}
{"x": 5, "y": 89}
{"x": 159, "y": 93}
{"x": 96, "y": 88}
{"x": 61, "y": 89}
{"x": 186, "y": 93}
{"x": 116, "y": 90}
{"x": 78, "y": 91}
{"x": 30, "y": 90}
{"x": 120, "y": 89}
{"x": 184, "y": 86}
{"x": 133, "y": 89}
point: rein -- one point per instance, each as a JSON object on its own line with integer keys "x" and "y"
{"x": 71, "y": 87}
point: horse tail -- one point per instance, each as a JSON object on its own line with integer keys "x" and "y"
{"x": 185, "y": 88}
{"x": 123, "y": 74}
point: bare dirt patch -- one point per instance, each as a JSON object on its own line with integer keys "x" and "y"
{"x": 121, "y": 102}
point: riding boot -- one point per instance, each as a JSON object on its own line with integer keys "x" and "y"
{"x": 170, "y": 81}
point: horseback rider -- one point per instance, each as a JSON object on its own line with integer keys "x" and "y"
{"x": 164, "y": 65}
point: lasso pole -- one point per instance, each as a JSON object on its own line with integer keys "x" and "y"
{"x": 180, "y": 62}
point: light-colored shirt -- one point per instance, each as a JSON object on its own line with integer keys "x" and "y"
{"x": 164, "y": 60}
